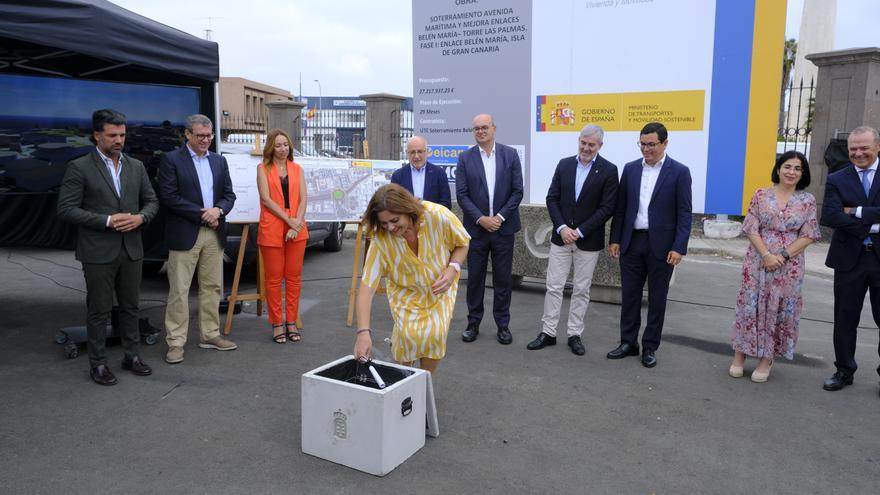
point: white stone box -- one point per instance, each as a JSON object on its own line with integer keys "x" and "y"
{"x": 348, "y": 420}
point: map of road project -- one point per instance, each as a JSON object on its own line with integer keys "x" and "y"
{"x": 338, "y": 194}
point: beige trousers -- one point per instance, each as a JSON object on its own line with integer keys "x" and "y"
{"x": 207, "y": 256}
{"x": 558, "y": 266}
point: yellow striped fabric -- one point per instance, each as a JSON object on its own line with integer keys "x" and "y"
{"x": 421, "y": 319}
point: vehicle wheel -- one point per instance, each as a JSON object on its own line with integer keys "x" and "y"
{"x": 71, "y": 351}
{"x": 151, "y": 339}
{"x": 152, "y": 267}
{"x": 61, "y": 338}
{"x": 334, "y": 242}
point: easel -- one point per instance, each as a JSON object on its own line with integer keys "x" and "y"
{"x": 355, "y": 270}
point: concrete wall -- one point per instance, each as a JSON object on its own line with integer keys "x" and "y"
{"x": 847, "y": 96}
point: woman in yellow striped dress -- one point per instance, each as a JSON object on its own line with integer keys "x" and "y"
{"x": 418, "y": 246}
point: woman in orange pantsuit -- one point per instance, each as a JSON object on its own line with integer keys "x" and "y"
{"x": 283, "y": 233}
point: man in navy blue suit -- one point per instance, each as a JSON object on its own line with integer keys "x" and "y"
{"x": 196, "y": 191}
{"x": 489, "y": 188}
{"x": 649, "y": 234}
{"x": 580, "y": 201}
{"x": 852, "y": 209}
{"x": 422, "y": 178}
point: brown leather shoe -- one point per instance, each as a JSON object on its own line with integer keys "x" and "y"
{"x": 102, "y": 376}
{"x": 137, "y": 366}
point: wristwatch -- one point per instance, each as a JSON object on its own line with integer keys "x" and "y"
{"x": 455, "y": 266}
{"x": 222, "y": 213}
{"x": 785, "y": 255}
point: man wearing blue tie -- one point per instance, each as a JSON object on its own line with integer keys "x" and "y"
{"x": 422, "y": 178}
{"x": 852, "y": 209}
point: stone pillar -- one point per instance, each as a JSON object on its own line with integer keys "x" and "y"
{"x": 847, "y": 96}
{"x": 285, "y": 115}
{"x": 357, "y": 145}
{"x": 383, "y": 125}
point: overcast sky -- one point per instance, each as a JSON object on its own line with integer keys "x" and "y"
{"x": 358, "y": 47}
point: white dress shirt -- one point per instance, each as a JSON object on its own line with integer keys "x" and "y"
{"x": 646, "y": 190}
{"x": 875, "y": 228}
{"x": 489, "y": 167}
{"x": 115, "y": 173}
{"x": 418, "y": 181}
{"x": 206, "y": 178}
{"x": 580, "y": 176}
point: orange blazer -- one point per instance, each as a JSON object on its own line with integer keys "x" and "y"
{"x": 272, "y": 228}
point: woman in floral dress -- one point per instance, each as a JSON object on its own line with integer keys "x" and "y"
{"x": 780, "y": 224}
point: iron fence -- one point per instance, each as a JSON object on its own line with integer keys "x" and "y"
{"x": 323, "y": 132}
{"x": 796, "y": 116}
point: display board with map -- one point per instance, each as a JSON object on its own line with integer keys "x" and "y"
{"x": 338, "y": 190}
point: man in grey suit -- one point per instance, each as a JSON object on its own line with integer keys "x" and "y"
{"x": 108, "y": 196}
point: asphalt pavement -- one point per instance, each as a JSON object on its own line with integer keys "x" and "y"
{"x": 511, "y": 420}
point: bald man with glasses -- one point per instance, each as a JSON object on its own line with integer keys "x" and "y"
{"x": 422, "y": 178}
{"x": 489, "y": 189}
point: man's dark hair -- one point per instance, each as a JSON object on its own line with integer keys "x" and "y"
{"x": 106, "y": 116}
{"x": 805, "y": 168}
{"x": 657, "y": 127}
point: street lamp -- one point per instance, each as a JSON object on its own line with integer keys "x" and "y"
{"x": 320, "y": 97}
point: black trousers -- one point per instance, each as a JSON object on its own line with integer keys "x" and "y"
{"x": 849, "y": 297}
{"x": 121, "y": 277}
{"x": 637, "y": 265}
{"x": 500, "y": 247}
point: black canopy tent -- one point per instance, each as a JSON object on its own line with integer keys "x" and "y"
{"x": 93, "y": 40}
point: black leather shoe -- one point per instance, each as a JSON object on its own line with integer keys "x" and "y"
{"x": 470, "y": 333}
{"x": 648, "y": 358}
{"x": 542, "y": 341}
{"x": 624, "y": 350}
{"x": 137, "y": 366}
{"x": 102, "y": 376}
{"x": 838, "y": 380}
{"x": 504, "y": 335}
{"x": 577, "y": 347}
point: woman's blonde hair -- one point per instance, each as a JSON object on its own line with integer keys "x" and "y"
{"x": 395, "y": 199}
{"x": 269, "y": 148}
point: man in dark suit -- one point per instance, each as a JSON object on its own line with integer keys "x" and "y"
{"x": 489, "y": 188}
{"x": 422, "y": 178}
{"x": 580, "y": 201}
{"x": 852, "y": 209}
{"x": 109, "y": 197}
{"x": 196, "y": 191}
{"x": 649, "y": 234}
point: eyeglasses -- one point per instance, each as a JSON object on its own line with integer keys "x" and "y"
{"x": 481, "y": 128}
{"x": 795, "y": 168}
{"x": 203, "y": 137}
{"x": 647, "y": 146}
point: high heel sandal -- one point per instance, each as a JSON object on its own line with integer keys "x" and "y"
{"x": 293, "y": 336}
{"x": 280, "y": 338}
